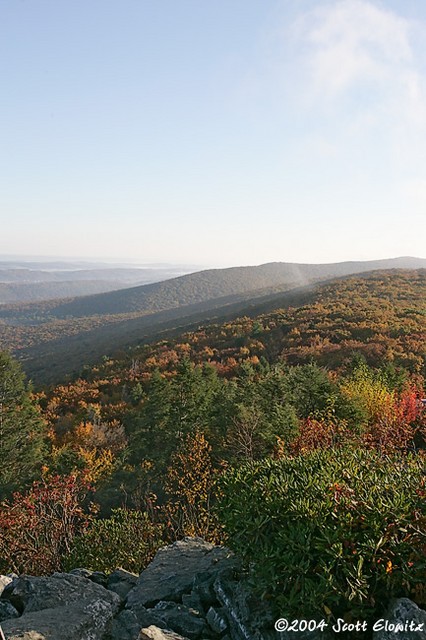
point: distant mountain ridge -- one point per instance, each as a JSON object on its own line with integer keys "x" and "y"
{"x": 20, "y": 284}
{"x": 216, "y": 283}
{"x": 23, "y": 274}
{"x": 56, "y": 337}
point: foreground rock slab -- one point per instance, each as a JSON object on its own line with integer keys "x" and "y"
{"x": 60, "y": 607}
{"x": 171, "y": 573}
{"x": 192, "y": 590}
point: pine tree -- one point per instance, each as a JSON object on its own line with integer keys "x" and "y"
{"x": 21, "y": 429}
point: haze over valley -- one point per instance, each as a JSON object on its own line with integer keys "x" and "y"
{"x": 29, "y": 281}
{"x": 58, "y": 336}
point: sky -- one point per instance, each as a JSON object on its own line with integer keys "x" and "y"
{"x": 220, "y": 133}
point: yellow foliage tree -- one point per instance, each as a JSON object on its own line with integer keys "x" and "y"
{"x": 189, "y": 485}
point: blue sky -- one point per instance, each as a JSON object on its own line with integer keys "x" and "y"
{"x": 217, "y": 133}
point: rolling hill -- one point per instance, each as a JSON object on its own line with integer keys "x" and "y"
{"x": 206, "y": 285}
{"x": 25, "y": 282}
{"x": 58, "y": 337}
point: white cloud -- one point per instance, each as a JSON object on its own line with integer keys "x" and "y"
{"x": 362, "y": 78}
{"x": 353, "y": 41}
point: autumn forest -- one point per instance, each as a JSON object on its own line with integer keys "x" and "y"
{"x": 292, "y": 429}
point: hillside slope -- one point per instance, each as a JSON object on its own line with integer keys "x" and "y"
{"x": 216, "y": 283}
{"x": 347, "y": 311}
{"x": 54, "y": 338}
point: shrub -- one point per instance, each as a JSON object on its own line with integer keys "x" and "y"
{"x": 37, "y": 528}
{"x": 127, "y": 539}
{"x": 338, "y": 531}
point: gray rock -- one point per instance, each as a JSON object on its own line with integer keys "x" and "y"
{"x": 404, "y": 620}
{"x": 181, "y": 619}
{"x": 203, "y": 587}
{"x": 217, "y": 621}
{"x": 234, "y": 601}
{"x": 193, "y": 601}
{"x": 125, "y": 626}
{"x": 7, "y": 611}
{"x": 121, "y": 582}
{"x": 80, "y": 571}
{"x": 78, "y": 621}
{"x": 172, "y": 572}
{"x": 154, "y": 633}
{"x": 99, "y": 577}
{"x": 146, "y": 617}
{"x": 57, "y": 590}
{"x": 61, "y": 607}
{"x": 249, "y": 619}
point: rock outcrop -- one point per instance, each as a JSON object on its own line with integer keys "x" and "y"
{"x": 403, "y": 620}
{"x": 192, "y": 590}
{"x": 59, "y": 607}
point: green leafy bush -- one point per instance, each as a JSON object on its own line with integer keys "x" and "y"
{"x": 338, "y": 531}
{"x": 127, "y": 539}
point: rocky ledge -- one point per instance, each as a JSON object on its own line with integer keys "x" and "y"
{"x": 192, "y": 590}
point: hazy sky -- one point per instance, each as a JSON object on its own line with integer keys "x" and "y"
{"x": 217, "y": 132}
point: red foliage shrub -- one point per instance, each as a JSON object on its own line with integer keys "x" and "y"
{"x": 37, "y": 528}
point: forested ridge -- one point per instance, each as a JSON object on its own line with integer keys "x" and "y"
{"x": 312, "y": 412}
{"x": 41, "y": 333}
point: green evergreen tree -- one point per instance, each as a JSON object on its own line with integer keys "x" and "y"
{"x": 192, "y": 394}
{"x": 147, "y": 426}
{"x": 22, "y": 444}
{"x": 310, "y": 389}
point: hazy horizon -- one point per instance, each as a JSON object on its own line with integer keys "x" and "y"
{"x": 213, "y": 134}
{"x": 86, "y": 262}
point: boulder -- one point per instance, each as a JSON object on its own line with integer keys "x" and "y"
{"x": 250, "y": 619}
{"x": 82, "y": 572}
{"x": 217, "y": 620}
{"x": 203, "y": 589}
{"x": 125, "y": 626}
{"x": 60, "y": 589}
{"x": 121, "y": 582}
{"x": 60, "y": 607}
{"x": 404, "y": 620}
{"x": 146, "y": 617}
{"x": 7, "y": 611}
{"x": 78, "y": 621}
{"x": 172, "y": 572}
{"x": 236, "y": 602}
{"x": 181, "y": 619}
{"x": 99, "y": 577}
{"x": 193, "y": 601}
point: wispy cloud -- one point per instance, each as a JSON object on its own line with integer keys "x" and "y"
{"x": 363, "y": 56}
{"x": 354, "y": 42}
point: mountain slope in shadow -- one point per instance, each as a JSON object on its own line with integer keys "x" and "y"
{"x": 209, "y": 285}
